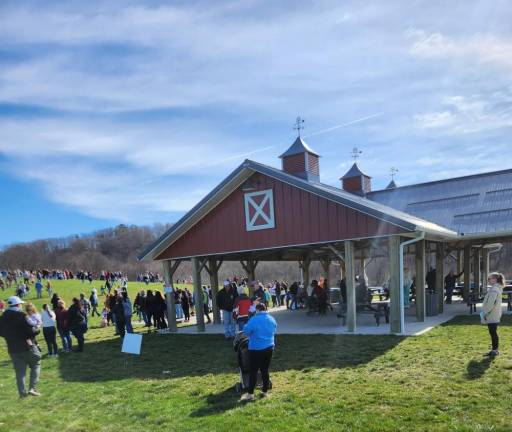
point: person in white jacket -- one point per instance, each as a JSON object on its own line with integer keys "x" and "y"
{"x": 491, "y": 310}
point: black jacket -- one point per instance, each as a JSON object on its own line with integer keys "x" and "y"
{"x": 16, "y": 331}
{"x": 76, "y": 317}
{"x": 226, "y": 300}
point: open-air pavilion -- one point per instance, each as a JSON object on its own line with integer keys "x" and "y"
{"x": 260, "y": 213}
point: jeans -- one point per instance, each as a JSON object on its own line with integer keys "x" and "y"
{"x": 229, "y": 323}
{"x": 206, "y": 310}
{"x": 128, "y": 324}
{"x": 20, "y": 361}
{"x": 39, "y": 293}
{"x": 259, "y": 360}
{"x": 242, "y": 321}
{"x": 79, "y": 332}
{"x": 493, "y": 331}
{"x": 66, "y": 339}
{"x": 50, "y": 336}
{"x": 449, "y": 294}
{"x": 293, "y": 302}
{"x": 179, "y": 311}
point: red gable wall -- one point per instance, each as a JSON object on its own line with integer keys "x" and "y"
{"x": 300, "y": 218}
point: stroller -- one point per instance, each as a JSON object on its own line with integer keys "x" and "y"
{"x": 241, "y": 347}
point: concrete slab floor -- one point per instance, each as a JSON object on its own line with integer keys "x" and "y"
{"x": 298, "y": 322}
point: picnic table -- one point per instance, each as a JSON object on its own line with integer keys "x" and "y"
{"x": 379, "y": 309}
{"x": 474, "y": 299}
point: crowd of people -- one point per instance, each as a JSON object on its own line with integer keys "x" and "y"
{"x": 243, "y": 305}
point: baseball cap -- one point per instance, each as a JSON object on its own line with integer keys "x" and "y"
{"x": 226, "y": 283}
{"x": 14, "y": 300}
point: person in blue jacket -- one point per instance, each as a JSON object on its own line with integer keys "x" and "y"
{"x": 260, "y": 329}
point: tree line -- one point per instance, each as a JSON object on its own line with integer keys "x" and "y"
{"x": 117, "y": 249}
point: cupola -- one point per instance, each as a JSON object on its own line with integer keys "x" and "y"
{"x": 301, "y": 161}
{"x": 355, "y": 181}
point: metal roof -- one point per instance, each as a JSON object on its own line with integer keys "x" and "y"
{"x": 475, "y": 204}
{"x": 391, "y": 185}
{"x": 246, "y": 169}
{"x": 354, "y": 171}
{"x": 298, "y": 147}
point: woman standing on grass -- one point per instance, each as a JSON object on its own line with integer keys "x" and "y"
{"x": 62, "y": 316}
{"x": 150, "y": 308}
{"x": 491, "y": 310}
{"x": 77, "y": 322}
{"x": 260, "y": 329}
{"x": 160, "y": 308}
{"x": 49, "y": 332}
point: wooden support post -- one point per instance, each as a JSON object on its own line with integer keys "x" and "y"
{"x": 467, "y": 273}
{"x": 250, "y": 269}
{"x": 169, "y": 269}
{"x": 198, "y": 294}
{"x": 213, "y": 269}
{"x": 304, "y": 267}
{"x": 420, "y": 280}
{"x": 351, "y": 286}
{"x": 459, "y": 264}
{"x": 342, "y": 269}
{"x": 326, "y": 266}
{"x": 440, "y": 276}
{"x": 362, "y": 262}
{"x": 476, "y": 272}
{"x": 394, "y": 284}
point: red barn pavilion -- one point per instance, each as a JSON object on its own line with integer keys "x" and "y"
{"x": 260, "y": 213}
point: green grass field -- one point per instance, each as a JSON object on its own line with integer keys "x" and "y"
{"x": 436, "y": 382}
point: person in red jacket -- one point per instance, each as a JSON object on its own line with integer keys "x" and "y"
{"x": 242, "y": 308}
{"x": 62, "y": 318}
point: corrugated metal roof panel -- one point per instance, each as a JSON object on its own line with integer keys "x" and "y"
{"x": 474, "y": 204}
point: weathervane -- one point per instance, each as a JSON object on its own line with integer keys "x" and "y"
{"x": 393, "y": 172}
{"x": 356, "y": 153}
{"x": 299, "y": 125}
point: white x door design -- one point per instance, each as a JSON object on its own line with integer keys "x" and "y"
{"x": 259, "y": 210}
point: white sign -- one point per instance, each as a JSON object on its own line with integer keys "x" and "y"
{"x": 132, "y": 343}
{"x": 259, "y": 210}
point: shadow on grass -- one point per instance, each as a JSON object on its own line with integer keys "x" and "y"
{"x": 477, "y": 368}
{"x": 176, "y": 356}
{"x": 465, "y": 320}
{"x": 217, "y": 403}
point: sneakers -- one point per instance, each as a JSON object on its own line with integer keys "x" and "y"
{"x": 34, "y": 392}
{"x": 492, "y": 353}
{"x": 247, "y": 397}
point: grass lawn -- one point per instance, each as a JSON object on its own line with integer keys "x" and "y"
{"x": 435, "y": 382}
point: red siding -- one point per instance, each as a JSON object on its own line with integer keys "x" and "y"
{"x": 301, "y": 218}
{"x": 294, "y": 164}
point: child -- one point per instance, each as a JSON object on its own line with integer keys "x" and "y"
{"x": 33, "y": 318}
{"x": 104, "y": 317}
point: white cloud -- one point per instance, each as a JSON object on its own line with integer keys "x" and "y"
{"x": 477, "y": 49}
{"x": 151, "y": 105}
{"x": 468, "y": 115}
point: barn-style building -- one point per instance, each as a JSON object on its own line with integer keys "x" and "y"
{"x": 260, "y": 213}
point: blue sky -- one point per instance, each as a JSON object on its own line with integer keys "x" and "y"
{"x": 130, "y": 112}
